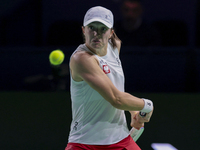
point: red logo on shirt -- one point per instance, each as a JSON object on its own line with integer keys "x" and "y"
{"x": 106, "y": 69}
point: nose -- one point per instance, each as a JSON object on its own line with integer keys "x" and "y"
{"x": 96, "y": 33}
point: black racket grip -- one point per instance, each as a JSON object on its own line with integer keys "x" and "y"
{"x": 142, "y": 114}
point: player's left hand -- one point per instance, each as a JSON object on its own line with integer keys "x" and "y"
{"x": 136, "y": 120}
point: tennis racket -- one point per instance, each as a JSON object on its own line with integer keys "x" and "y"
{"x": 135, "y": 133}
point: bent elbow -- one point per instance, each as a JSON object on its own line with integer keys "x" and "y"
{"x": 117, "y": 103}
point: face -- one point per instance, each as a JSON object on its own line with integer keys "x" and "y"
{"x": 131, "y": 10}
{"x": 97, "y": 36}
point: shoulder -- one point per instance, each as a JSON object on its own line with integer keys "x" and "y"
{"x": 84, "y": 66}
{"x": 79, "y": 55}
{"x": 80, "y": 58}
{"x": 81, "y": 64}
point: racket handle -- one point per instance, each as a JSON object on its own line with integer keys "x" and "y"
{"x": 135, "y": 134}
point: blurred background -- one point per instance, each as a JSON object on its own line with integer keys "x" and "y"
{"x": 160, "y": 55}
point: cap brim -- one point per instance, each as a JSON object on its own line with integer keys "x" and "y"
{"x": 97, "y": 20}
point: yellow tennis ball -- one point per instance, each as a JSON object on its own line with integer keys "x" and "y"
{"x": 56, "y": 57}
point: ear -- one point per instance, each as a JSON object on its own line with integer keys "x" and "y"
{"x": 111, "y": 33}
{"x": 83, "y": 29}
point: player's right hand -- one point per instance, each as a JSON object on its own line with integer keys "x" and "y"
{"x": 138, "y": 121}
{"x": 145, "y": 118}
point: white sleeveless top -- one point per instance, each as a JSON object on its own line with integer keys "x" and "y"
{"x": 94, "y": 120}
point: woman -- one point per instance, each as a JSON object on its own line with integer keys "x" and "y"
{"x": 97, "y": 90}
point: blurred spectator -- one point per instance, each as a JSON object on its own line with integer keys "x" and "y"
{"x": 132, "y": 29}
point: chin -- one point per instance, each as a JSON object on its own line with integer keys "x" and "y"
{"x": 96, "y": 46}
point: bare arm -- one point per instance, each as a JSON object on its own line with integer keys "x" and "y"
{"x": 84, "y": 66}
{"x": 136, "y": 120}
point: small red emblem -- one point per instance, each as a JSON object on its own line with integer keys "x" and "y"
{"x": 106, "y": 69}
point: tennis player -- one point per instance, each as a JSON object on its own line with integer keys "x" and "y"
{"x": 97, "y": 90}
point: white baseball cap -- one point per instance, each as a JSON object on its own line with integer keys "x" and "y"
{"x": 99, "y": 14}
